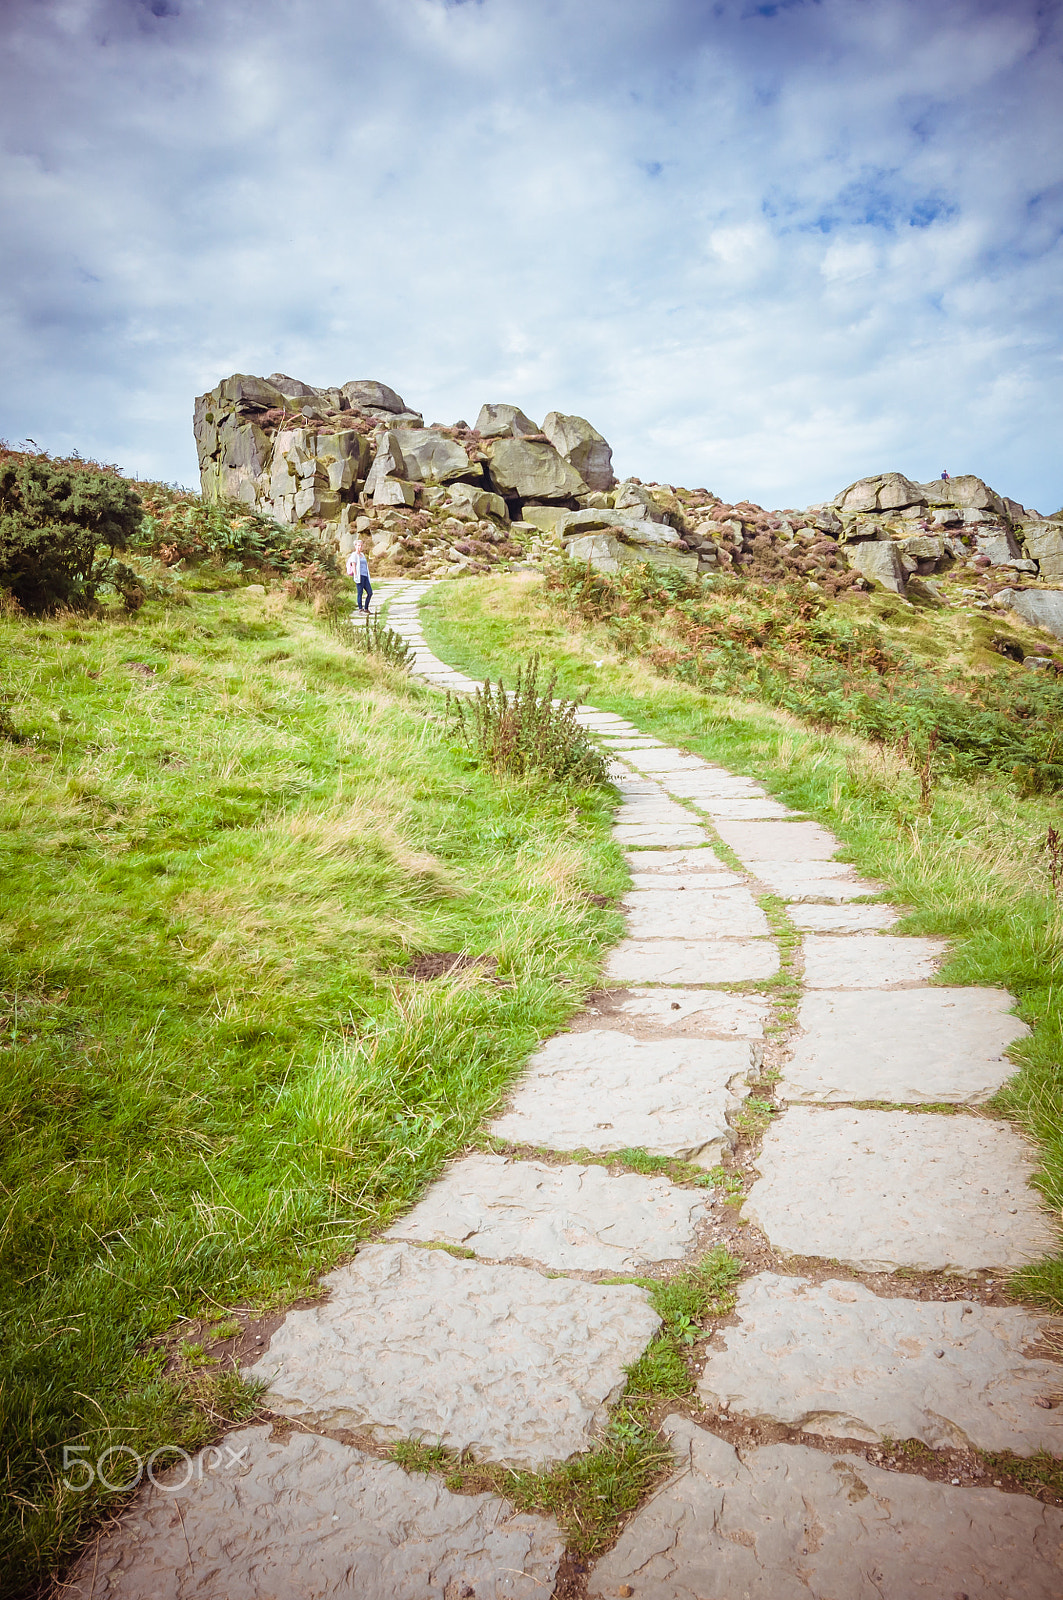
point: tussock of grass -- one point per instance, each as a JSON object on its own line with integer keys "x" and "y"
{"x": 220, "y": 831}
{"x": 969, "y": 864}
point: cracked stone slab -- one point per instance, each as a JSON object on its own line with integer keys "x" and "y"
{"x": 673, "y": 861}
{"x": 915, "y": 1047}
{"x": 497, "y": 1360}
{"x": 696, "y": 1013}
{"x": 308, "y": 1518}
{"x": 722, "y": 879}
{"x": 742, "y": 810}
{"x": 787, "y": 1522}
{"x": 778, "y": 841}
{"x": 667, "y": 913}
{"x": 569, "y": 1218}
{"x": 602, "y": 1091}
{"x": 879, "y": 1190}
{"x": 654, "y": 835}
{"x": 653, "y": 809}
{"x": 692, "y": 961}
{"x": 815, "y": 880}
{"x": 869, "y": 960}
{"x": 843, "y": 919}
{"x": 713, "y": 783}
{"x": 836, "y": 1360}
{"x": 666, "y": 760}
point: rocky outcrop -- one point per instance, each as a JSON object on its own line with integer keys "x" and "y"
{"x": 355, "y": 459}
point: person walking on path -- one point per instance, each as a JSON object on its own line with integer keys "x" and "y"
{"x": 358, "y": 567}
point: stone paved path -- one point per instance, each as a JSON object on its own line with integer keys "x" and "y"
{"x": 474, "y": 1320}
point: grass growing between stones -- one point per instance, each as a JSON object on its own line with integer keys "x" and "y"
{"x": 968, "y": 860}
{"x": 591, "y": 1494}
{"x": 224, "y": 835}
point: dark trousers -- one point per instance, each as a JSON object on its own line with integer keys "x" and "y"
{"x": 363, "y": 583}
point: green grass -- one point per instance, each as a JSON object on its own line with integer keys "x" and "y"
{"x": 970, "y": 866}
{"x": 223, "y": 832}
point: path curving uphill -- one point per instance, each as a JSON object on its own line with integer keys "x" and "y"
{"x": 880, "y": 1210}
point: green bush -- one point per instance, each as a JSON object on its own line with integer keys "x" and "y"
{"x": 526, "y": 731}
{"x": 53, "y": 518}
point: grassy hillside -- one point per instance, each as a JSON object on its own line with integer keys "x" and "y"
{"x": 224, "y": 835}
{"x": 951, "y": 828}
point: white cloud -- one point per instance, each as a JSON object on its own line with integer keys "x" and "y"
{"x": 768, "y": 248}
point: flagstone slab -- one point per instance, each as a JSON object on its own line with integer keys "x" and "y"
{"x": 778, "y": 841}
{"x": 695, "y": 1013}
{"x": 652, "y": 835}
{"x": 498, "y": 1360}
{"x": 724, "y": 878}
{"x": 843, "y": 919}
{"x": 801, "y": 881}
{"x": 915, "y": 1047}
{"x": 653, "y": 809}
{"x": 836, "y": 1360}
{"x": 667, "y": 760}
{"x": 880, "y": 1190}
{"x": 568, "y": 1218}
{"x": 741, "y": 809}
{"x": 308, "y": 1518}
{"x": 672, "y": 861}
{"x": 788, "y": 1522}
{"x": 716, "y": 784}
{"x": 869, "y": 960}
{"x": 693, "y": 961}
{"x": 602, "y": 1090}
{"x": 667, "y": 913}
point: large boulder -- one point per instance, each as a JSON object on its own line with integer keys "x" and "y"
{"x": 499, "y": 422}
{"x": 532, "y": 470}
{"x": 1044, "y": 544}
{"x": 998, "y": 543}
{"x": 365, "y": 394}
{"x": 633, "y": 498}
{"x": 879, "y": 560}
{"x": 550, "y": 519}
{"x": 1042, "y": 607}
{"x": 431, "y": 456}
{"x": 480, "y": 502}
{"x": 387, "y": 463}
{"x": 291, "y": 388}
{"x": 888, "y": 491}
{"x": 628, "y": 526}
{"x": 966, "y": 490}
{"x": 607, "y": 552}
{"x": 583, "y": 447}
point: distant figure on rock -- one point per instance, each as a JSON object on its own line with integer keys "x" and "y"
{"x": 358, "y": 567}
{"x": 944, "y": 476}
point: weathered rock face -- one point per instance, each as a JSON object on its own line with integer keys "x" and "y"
{"x": 530, "y": 470}
{"x": 356, "y": 454}
{"x": 582, "y": 447}
{"x": 498, "y": 421}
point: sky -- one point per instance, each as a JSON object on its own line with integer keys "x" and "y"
{"x": 765, "y": 249}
